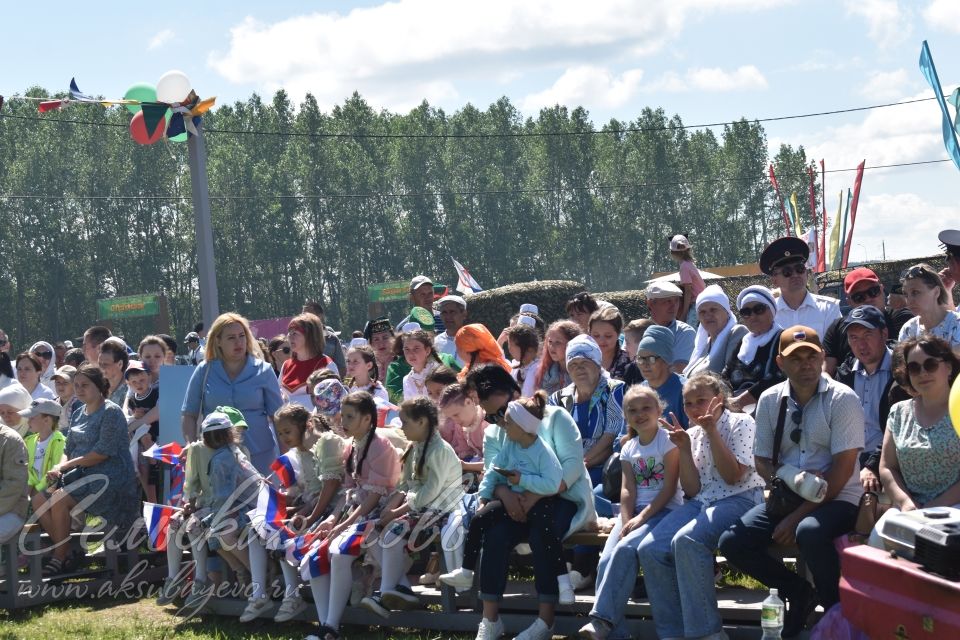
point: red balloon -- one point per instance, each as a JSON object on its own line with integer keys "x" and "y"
{"x": 139, "y": 133}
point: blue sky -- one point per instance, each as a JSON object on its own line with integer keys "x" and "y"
{"x": 706, "y": 60}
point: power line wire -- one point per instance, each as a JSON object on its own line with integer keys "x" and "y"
{"x": 540, "y": 190}
{"x": 512, "y": 134}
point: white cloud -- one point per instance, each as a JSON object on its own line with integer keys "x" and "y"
{"x": 943, "y": 14}
{"x": 885, "y": 85}
{"x": 394, "y": 52}
{"x": 714, "y": 79}
{"x": 887, "y": 22}
{"x": 160, "y": 39}
{"x": 880, "y": 225}
{"x": 587, "y": 85}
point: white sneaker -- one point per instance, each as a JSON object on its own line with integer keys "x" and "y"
{"x": 580, "y": 581}
{"x": 537, "y": 631}
{"x": 566, "y": 594}
{"x": 255, "y": 608}
{"x": 595, "y": 630}
{"x": 489, "y": 630}
{"x": 458, "y": 578}
{"x": 290, "y": 608}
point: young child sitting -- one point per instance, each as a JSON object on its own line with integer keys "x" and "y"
{"x": 45, "y": 446}
{"x": 142, "y": 397}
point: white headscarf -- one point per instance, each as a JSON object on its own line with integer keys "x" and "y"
{"x": 702, "y": 346}
{"x": 46, "y": 377}
{"x": 751, "y": 342}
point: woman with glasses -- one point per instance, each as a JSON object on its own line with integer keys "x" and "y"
{"x": 278, "y": 352}
{"x": 29, "y": 369}
{"x": 752, "y": 367}
{"x": 45, "y": 353}
{"x": 927, "y": 299}
{"x": 920, "y": 460}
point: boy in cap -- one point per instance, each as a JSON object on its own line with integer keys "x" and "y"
{"x": 821, "y": 422}
{"x": 785, "y": 261}
{"x": 663, "y": 300}
{"x": 45, "y": 445}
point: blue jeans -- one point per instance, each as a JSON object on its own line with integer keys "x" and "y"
{"x": 603, "y": 506}
{"x": 617, "y": 573}
{"x": 744, "y": 546}
{"x": 677, "y": 559}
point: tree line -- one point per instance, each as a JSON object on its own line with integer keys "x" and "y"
{"x": 315, "y": 215}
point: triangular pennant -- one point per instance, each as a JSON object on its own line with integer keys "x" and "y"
{"x": 175, "y": 127}
{"x": 49, "y": 105}
{"x": 76, "y": 94}
{"x": 203, "y": 106}
{"x": 153, "y": 113}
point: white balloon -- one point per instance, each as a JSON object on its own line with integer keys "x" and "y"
{"x": 173, "y": 86}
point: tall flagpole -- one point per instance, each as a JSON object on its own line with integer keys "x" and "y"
{"x": 209, "y": 299}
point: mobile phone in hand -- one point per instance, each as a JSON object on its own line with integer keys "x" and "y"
{"x": 503, "y": 472}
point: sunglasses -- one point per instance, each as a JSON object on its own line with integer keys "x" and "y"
{"x": 790, "y": 270}
{"x": 929, "y": 365}
{"x": 917, "y": 271}
{"x": 46, "y": 355}
{"x": 797, "y": 418}
{"x": 286, "y": 350}
{"x": 647, "y": 360}
{"x": 498, "y": 417}
{"x": 755, "y": 310}
{"x": 861, "y": 296}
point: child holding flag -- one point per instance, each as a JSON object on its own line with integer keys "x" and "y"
{"x": 430, "y": 489}
{"x": 373, "y": 469}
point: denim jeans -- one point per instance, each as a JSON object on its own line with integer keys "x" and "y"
{"x": 546, "y": 524}
{"x": 617, "y": 573}
{"x": 745, "y": 543}
{"x": 677, "y": 559}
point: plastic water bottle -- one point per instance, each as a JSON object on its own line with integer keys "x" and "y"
{"x": 771, "y": 615}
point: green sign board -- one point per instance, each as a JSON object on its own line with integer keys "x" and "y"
{"x": 141, "y": 306}
{"x": 388, "y": 291}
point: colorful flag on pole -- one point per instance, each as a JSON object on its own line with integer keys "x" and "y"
{"x": 269, "y": 515}
{"x": 157, "y": 519}
{"x": 843, "y": 231}
{"x": 795, "y": 209}
{"x": 822, "y": 264}
{"x": 465, "y": 281}
{"x": 853, "y": 211}
{"x": 171, "y": 454}
{"x": 835, "y": 236}
{"x": 286, "y": 468}
{"x": 783, "y": 208}
{"x": 949, "y": 133}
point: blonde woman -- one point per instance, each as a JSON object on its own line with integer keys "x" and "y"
{"x": 234, "y": 374}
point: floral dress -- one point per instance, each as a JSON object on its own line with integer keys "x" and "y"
{"x": 929, "y": 457}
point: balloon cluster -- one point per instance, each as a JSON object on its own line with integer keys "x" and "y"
{"x": 173, "y": 88}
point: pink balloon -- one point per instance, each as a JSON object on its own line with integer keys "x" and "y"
{"x": 139, "y": 133}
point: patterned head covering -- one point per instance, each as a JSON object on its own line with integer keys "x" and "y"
{"x": 328, "y": 395}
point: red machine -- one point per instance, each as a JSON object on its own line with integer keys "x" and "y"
{"x": 888, "y": 597}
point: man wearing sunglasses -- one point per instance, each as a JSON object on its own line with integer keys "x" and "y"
{"x": 862, "y": 287}
{"x": 785, "y": 260}
{"x": 822, "y": 435}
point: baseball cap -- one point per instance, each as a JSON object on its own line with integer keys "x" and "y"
{"x": 799, "y": 337}
{"x": 215, "y": 422}
{"x": 234, "y": 415}
{"x": 419, "y": 281}
{"x": 659, "y": 290}
{"x": 865, "y": 315}
{"x": 454, "y": 299}
{"x": 65, "y": 373}
{"x": 134, "y": 366}
{"x": 193, "y": 336}
{"x": 858, "y": 275}
{"x": 42, "y": 406}
{"x": 679, "y": 243}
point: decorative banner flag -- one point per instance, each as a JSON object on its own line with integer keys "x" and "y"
{"x": 949, "y": 133}
{"x": 835, "y": 236}
{"x": 783, "y": 208}
{"x": 50, "y": 105}
{"x": 286, "y": 468}
{"x": 853, "y": 211}
{"x": 77, "y": 95}
{"x": 269, "y": 515}
{"x": 843, "y": 232}
{"x": 810, "y": 237}
{"x": 157, "y": 519}
{"x": 795, "y": 209}
{"x": 822, "y": 264}
{"x": 171, "y": 454}
{"x": 465, "y": 281}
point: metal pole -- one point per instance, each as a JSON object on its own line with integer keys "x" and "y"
{"x": 209, "y": 300}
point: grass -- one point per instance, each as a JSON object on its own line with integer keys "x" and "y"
{"x": 144, "y": 620}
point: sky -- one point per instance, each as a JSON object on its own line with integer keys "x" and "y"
{"x": 706, "y": 60}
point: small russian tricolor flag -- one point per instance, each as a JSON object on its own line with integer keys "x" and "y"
{"x": 286, "y": 468}
{"x": 157, "y": 519}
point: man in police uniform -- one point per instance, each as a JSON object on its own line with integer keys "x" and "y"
{"x": 785, "y": 261}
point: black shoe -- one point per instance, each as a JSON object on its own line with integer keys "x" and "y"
{"x": 800, "y": 607}
{"x": 374, "y": 604}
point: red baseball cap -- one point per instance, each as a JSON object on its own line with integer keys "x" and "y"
{"x": 858, "y": 275}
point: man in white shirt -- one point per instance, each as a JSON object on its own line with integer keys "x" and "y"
{"x": 453, "y": 312}
{"x": 663, "y": 301}
{"x": 785, "y": 260}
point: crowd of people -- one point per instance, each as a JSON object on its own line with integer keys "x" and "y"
{"x": 662, "y": 432}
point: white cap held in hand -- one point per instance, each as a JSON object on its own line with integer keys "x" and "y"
{"x": 805, "y": 484}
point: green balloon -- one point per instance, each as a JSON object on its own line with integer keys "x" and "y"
{"x": 181, "y": 137}
{"x": 141, "y": 91}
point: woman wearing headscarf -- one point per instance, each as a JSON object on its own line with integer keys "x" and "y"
{"x": 752, "y": 368}
{"x": 476, "y": 346}
{"x": 717, "y": 334}
{"x": 45, "y": 353}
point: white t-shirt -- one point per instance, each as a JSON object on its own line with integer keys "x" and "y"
{"x": 646, "y": 460}
{"x": 528, "y": 373}
{"x": 39, "y": 452}
{"x": 948, "y": 329}
{"x": 737, "y": 431}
